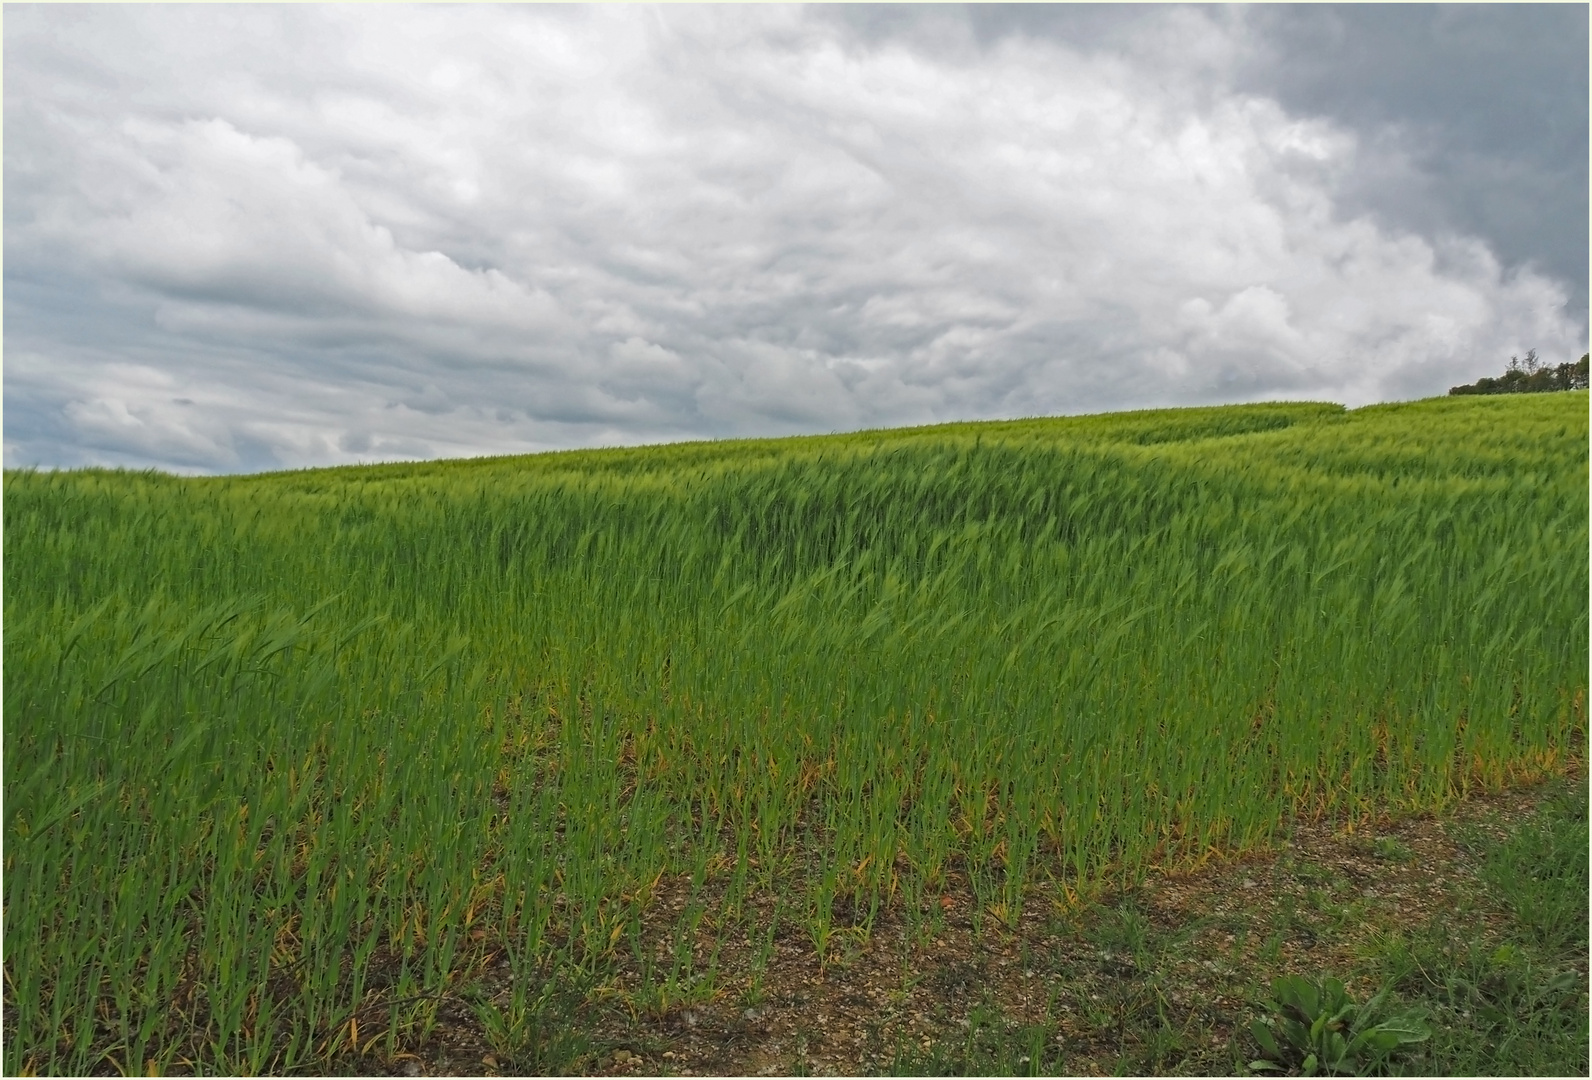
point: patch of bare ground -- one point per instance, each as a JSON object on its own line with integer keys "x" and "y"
{"x": 1157, "y": 979}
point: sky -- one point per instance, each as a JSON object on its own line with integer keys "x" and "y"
{"x": 243, "y": 238}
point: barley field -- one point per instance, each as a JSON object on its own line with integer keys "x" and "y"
{"x": 287, "y": 755}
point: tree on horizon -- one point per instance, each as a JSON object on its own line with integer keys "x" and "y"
{"x": 1530, "y": 376}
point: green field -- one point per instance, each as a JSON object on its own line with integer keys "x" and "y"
{"x": 287, "y": 757}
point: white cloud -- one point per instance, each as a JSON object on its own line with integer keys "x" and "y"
{"x": 342, "y": 233}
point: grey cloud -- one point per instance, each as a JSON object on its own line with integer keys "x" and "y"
{"x": 1475, "y": 115}
{"x": 439, "y": 231}
{"x": 1472, "y": 117}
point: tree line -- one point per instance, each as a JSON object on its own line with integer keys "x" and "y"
{"x": 1531, "y": 376}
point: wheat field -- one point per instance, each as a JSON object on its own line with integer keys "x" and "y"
{"x": 287, "y": 754}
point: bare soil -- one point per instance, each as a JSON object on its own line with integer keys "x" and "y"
{"x": 1160, "y": 978}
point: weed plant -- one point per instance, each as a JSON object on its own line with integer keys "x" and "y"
{"x": 290, "y": 759}
{"x": 1516, "y": 1004}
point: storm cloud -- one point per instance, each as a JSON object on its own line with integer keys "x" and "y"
{"x": 242, "y": 238}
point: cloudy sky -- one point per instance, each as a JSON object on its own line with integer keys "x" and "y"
{"x": 245, "y": 238}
